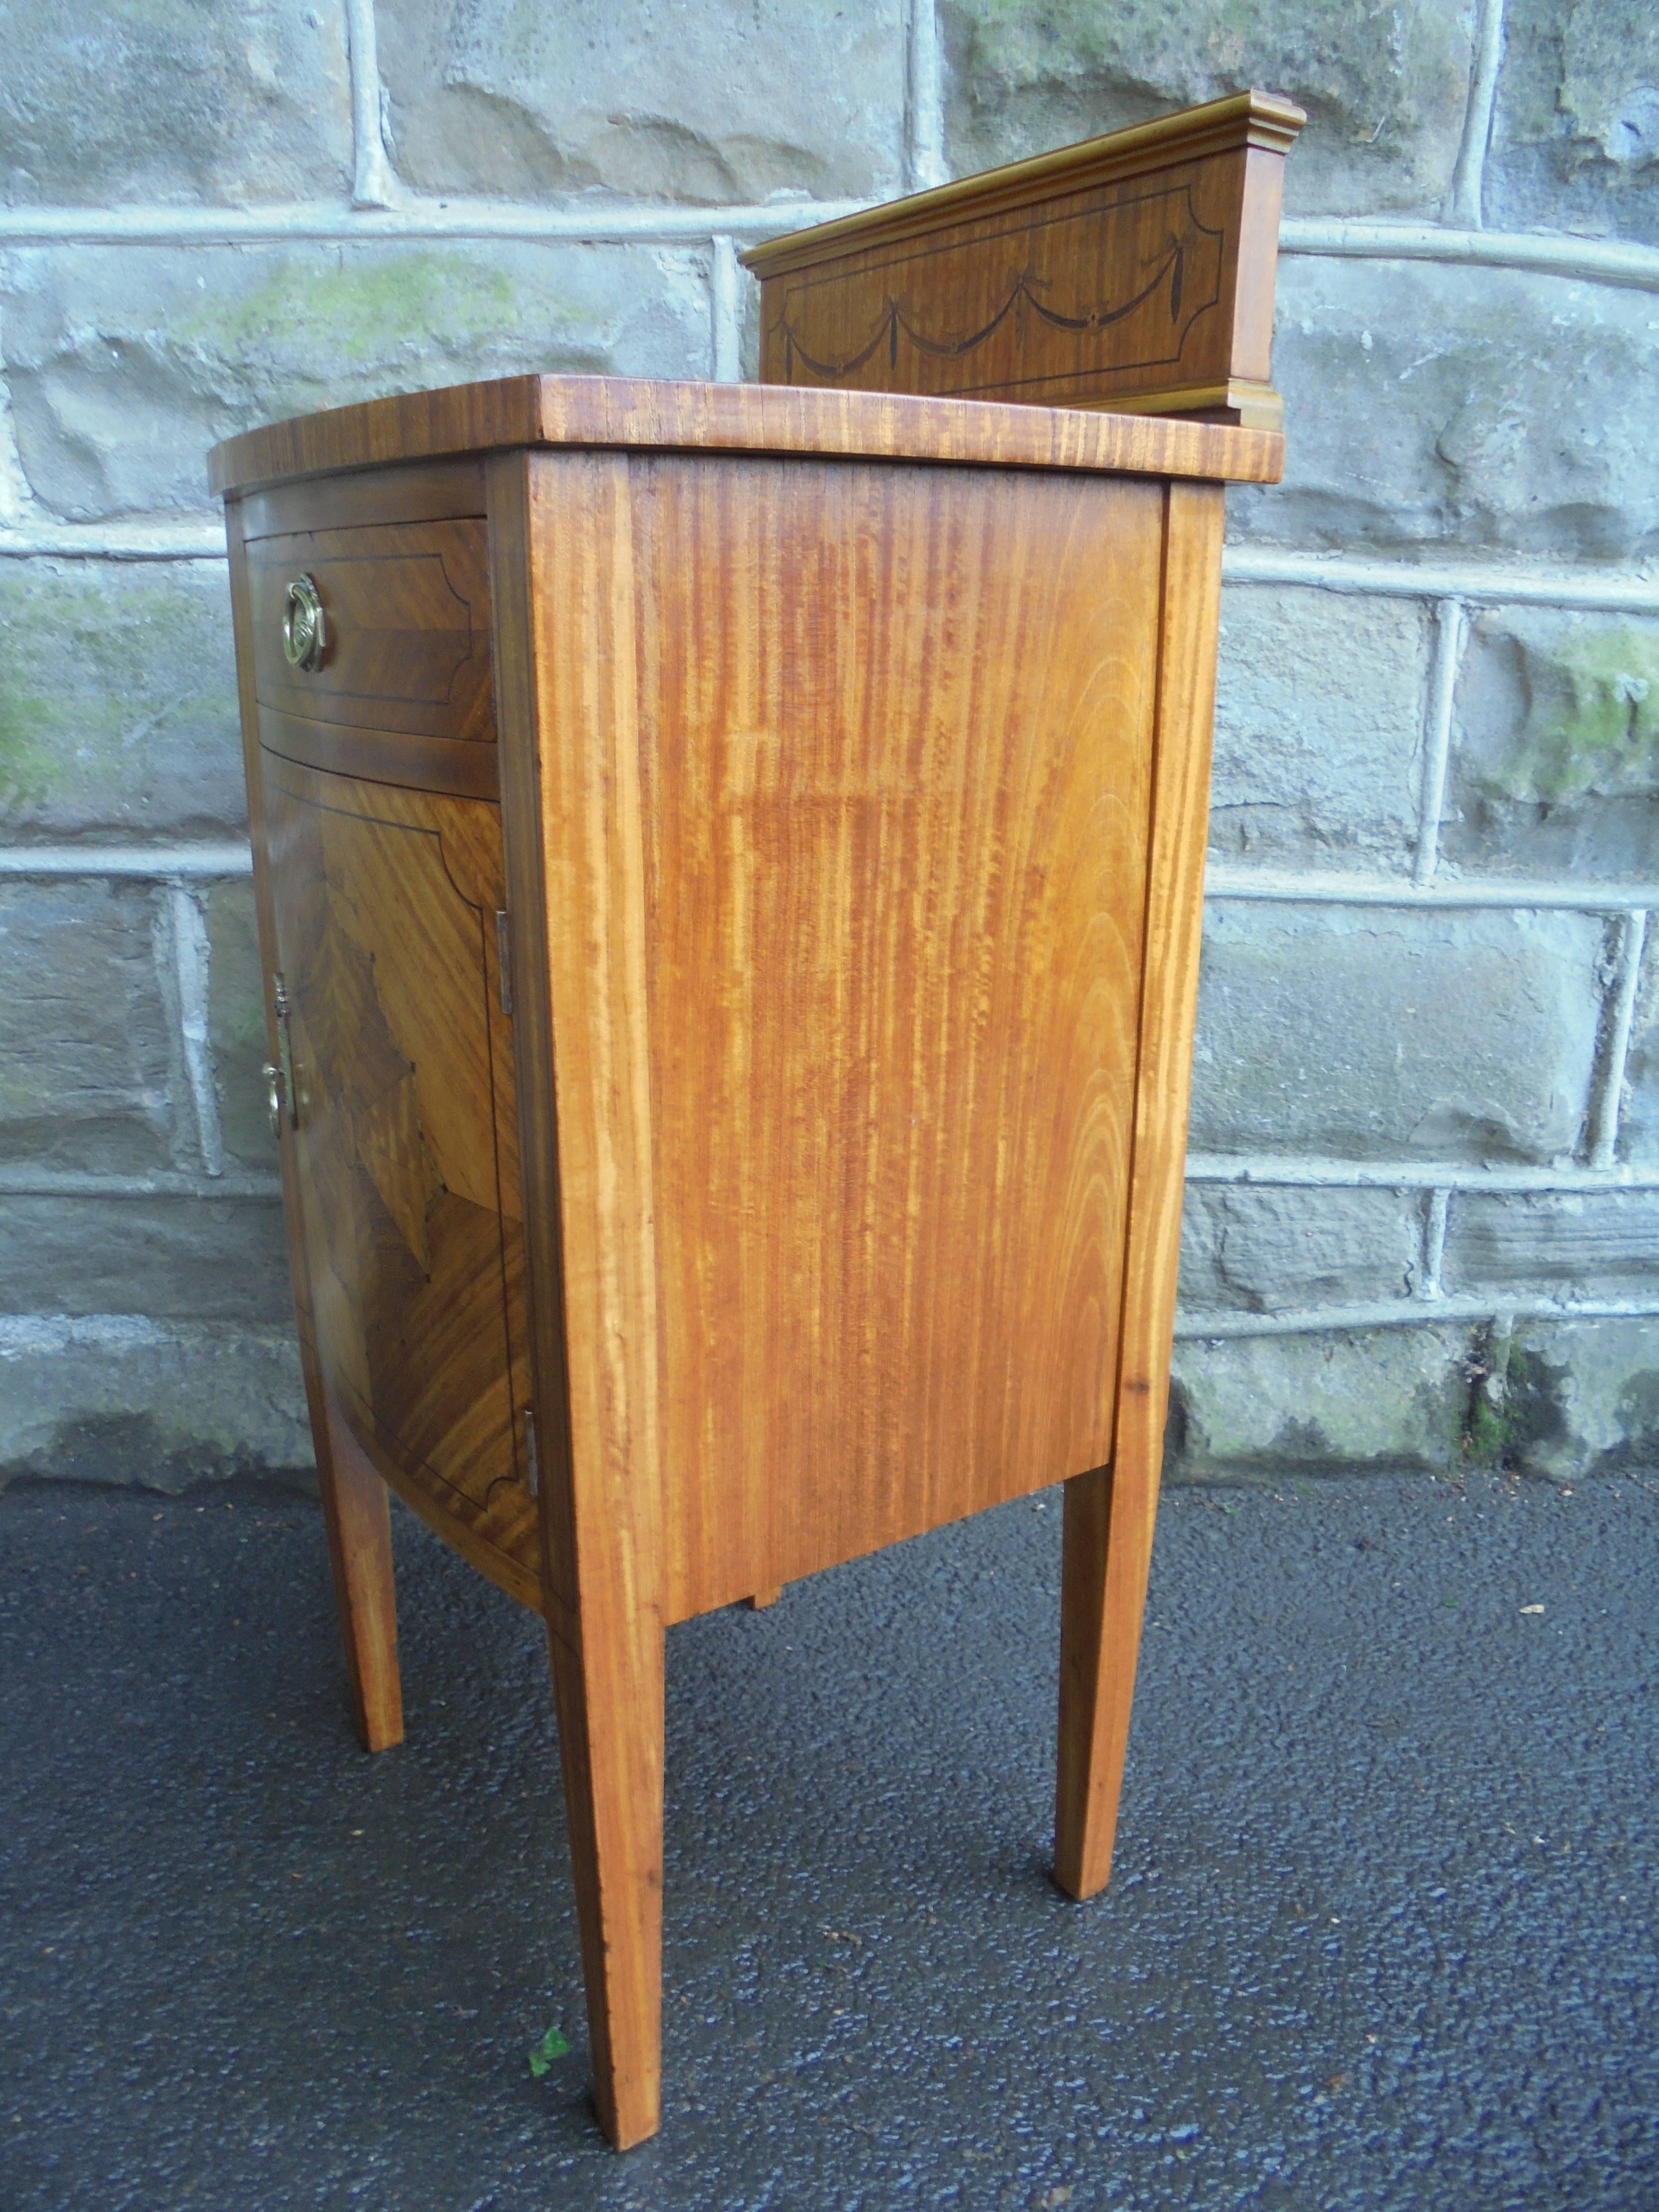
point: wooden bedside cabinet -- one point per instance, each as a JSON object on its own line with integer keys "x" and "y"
{"x": 729, "y": 865}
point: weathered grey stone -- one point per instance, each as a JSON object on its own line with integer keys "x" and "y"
{"x": 128, "y": 100}
{"x": 1387, "y": 1398}
{"x": 1385, "y": 88}
{"x": 120, "y": 1398}
{"x": 1570, "y": 1243}
{"x": 1427, "y": 405}
{"x": 85, "y": 1055}
{"x": 125, "y": 369}
{"x": 1566, "y": 1398}
{"x": 118, "y": 700}
{"x": 1555, "y": 765}
{"x": 1575, "y": 140}
{"x": 1639, "y": 1128}
{"x": 1318, "y": 728}
{"x": 236, "y": 1025}
{"x": 721, "y": 102}
{"x": 1368, "y": 1033}
{"x": 749, "y": 335}
{"x": 185, "y": 1259}
{"x": 1261, "y": 1249}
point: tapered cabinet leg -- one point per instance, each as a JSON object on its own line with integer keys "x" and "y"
{"x": 608, "y": 1681}
{"x": 567, "y": 660}
{"x": 1103, "y": 1592}
{"x": 1110, "y": 1513}
{"x": 357, "y": 1511}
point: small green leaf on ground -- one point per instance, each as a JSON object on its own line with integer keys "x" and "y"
{"x": 551, "y": 2046}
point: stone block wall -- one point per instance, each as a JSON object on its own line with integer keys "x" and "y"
{"x": 1423, "y": 1216}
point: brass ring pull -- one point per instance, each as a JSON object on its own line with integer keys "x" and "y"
{"x": 305, "y": 628}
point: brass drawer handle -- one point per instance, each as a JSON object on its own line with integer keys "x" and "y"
{"x": 305, "y": 627}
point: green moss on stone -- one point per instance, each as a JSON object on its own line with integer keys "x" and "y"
{"x": 27, "y": 725}
{"x": 91, "y": 669}
{"x": 1593, "y": 719}
{"x": 1515, "y": 1405}
{"x": 362, "y": 308}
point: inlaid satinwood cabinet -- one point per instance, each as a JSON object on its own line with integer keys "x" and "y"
{"x": 729, "y": 864}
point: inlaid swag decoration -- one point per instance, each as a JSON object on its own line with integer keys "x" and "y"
{"x": 1185, "y": 274}
{"x": 1134, "y": 272}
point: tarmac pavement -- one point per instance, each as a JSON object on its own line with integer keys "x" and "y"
{"x": 1381, "y": 1932}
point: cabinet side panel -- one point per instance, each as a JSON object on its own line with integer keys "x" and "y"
{"x": 894, "y": 742}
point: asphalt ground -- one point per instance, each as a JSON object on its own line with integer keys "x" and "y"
{"x": 1381, "y": 1930}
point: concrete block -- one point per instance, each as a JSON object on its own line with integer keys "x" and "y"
{"x": 220, "y": 1259}
{"x": 1384, "y": 88}
{"x": 86, "y": 1058}
{"x": 123, "y": 368}
{"x": 118, "y": 700}
{"x": 1429, "y": 404}
{"x": 127, "y": 100}
{"x": 1318, "y": 728}
{"x": 1385, "y": 1399}
{"x": 1566, "y": 1399}
{"x": 116, "y": 1398}
{"x": 1566, "y": 1244}
{"x": 719, "y": 103}
{"x": 236, "y": 1025}
{"x": 1257, "y": 1249}
{"x": 1554, "y": 770}
{"x": 1369, "y": 1033}
{"x": 1575, "y": 140}
{"x": 1638, "y": 1127}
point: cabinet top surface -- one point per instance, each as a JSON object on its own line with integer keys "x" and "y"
{"x": 629, "y": 413}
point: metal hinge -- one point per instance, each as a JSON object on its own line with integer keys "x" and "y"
{"x": 504, "y": 960}
{"x": 532, "y": 1480}
{"x": 283, "y": 1096}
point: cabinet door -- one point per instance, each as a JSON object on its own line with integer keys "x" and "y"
{"x": 404, "y": 1137}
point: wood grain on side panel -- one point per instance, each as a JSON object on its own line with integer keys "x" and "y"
{"x": 894, "y": 744}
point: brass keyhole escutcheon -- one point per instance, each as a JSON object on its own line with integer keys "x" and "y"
{"x": 305, "y": 627}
